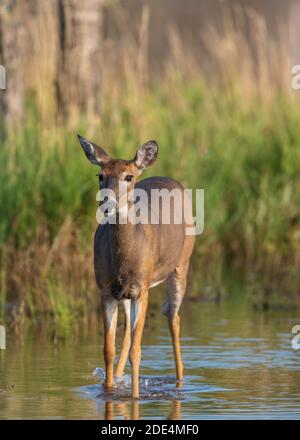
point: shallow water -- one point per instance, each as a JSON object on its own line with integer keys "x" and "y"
{"x": 239, "y": 363}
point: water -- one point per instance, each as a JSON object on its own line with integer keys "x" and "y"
{"x": 239, "y": 363}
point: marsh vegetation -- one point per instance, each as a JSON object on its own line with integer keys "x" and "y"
{"x": 227, "y": 126}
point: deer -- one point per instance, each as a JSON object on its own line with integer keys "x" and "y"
{"x": 130, "y": 258}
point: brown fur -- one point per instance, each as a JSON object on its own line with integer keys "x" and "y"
{"x": 136, "y": 256}
{"x": 130, "y": 258}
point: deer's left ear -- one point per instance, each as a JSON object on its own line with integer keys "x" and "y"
{"x": 146, "y": 155}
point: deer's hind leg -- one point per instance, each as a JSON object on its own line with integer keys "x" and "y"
{"x": 176, "y": 286}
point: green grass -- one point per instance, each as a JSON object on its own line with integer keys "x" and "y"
{"x": 244, "y": 153}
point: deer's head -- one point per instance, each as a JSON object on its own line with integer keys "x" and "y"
{"x": 117, "y": 173}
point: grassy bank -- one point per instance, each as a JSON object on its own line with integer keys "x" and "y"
{"x": 234, "y": 132}
{"x": 244, "y": 154}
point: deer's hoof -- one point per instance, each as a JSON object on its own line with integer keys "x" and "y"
{"x": 109, "y": 386}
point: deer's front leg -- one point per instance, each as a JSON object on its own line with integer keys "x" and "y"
{"x": 126, "y": 340}
{"x": 138, "y": 315}
{"x": 110, "y": 316}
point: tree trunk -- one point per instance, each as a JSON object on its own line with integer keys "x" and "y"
{"x": 81, "y": 33}
{"x": 12, "y": 57}
{"x": 294, "y": 33}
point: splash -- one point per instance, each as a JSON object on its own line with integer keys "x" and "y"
{"x": 150, "y": 386}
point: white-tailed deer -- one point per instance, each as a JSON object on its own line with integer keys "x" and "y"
{"x": 132, "y": 257}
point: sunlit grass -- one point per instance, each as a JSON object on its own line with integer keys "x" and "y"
{"x": 234, "y": 132}
{"x": 244, "y": 155}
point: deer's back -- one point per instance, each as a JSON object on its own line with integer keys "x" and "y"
{"x": 169, "y": 238}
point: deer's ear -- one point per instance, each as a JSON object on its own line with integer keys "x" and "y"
{"x": 93, "y": 152}
{"x": 146, "y": 155}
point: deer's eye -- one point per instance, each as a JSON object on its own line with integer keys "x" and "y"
{"x": 128, "y": 178}
{"x": 100, "y": 177}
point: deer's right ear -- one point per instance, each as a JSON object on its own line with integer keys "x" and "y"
{"x": 95, "y": 154}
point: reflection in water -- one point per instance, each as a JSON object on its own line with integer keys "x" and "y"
{"x": 125, "y": 410}
{"x": 109, "y": 410}
{"x": 175, "y": 413}
{"x": 135, "y": 409}
{"x": 129, "y": 410}
{"x": 238, "y": 363}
